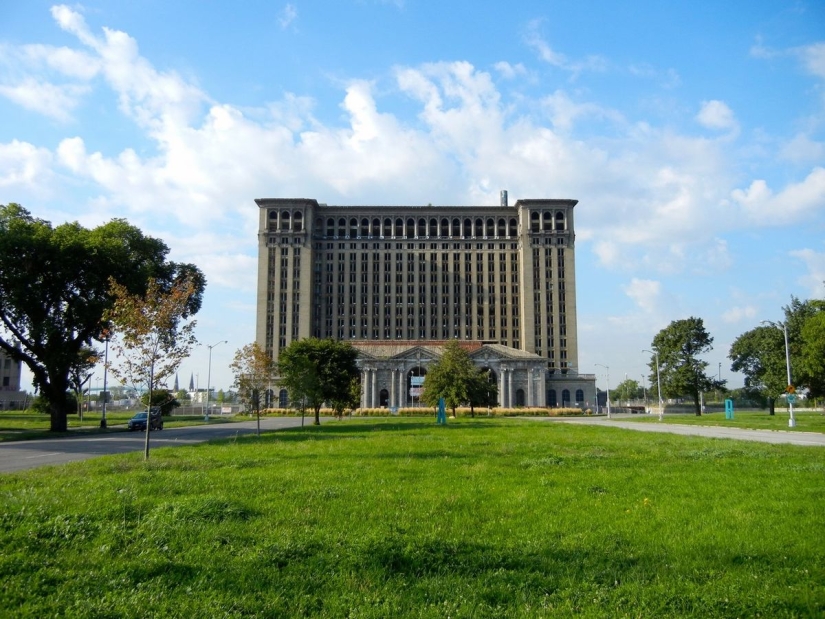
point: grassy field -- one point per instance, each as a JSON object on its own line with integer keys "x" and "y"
{"x": 756, "y": 420}
{"x": 27, "y": 425}
{"x": 401, "y": 518}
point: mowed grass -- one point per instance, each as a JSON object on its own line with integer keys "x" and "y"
{"x": 806, "y": 421}
{"x": 27, "y": 425}
{"x": 402, "y": 518}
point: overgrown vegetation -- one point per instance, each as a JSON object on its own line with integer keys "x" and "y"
{"x": 401, "y": 518}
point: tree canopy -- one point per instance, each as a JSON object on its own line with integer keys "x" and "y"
{"x": 455, "y": 378}
{"x": 316, "y": 371}
{"x": 55, "y": 290}
{"x": 254, "y": 371}
{"x": 759, "y": 354}
{"x": 682, "y": 371}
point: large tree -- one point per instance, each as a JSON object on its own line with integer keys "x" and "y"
{"x": 54, "y": 291}
{"x": 254, "y": 370}
{"x": 682, "y": 371}
{"x": 627, "y": 390}
{"x": 759, "y": 354}
{"x": 316, "y": 371}
{"x": 804, "y": 321}
{"x": 455, "y": 378}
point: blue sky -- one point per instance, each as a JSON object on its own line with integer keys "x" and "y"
{"x": 692, "y": 134}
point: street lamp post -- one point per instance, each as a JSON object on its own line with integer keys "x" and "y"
{"x": 608, "y": 388}
{"x": 644, "y": 391}
{"x": 105, "y": 370}
{"x": 658, "y": 382}
{"x": 209, "y": 375}
{"x": 784, "y": 326}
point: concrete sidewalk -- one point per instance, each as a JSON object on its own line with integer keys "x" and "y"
{"x": 809, "y": 439}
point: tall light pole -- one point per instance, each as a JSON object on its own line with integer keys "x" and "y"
{"x": 644, "y": 391}
{"x": 608, "y": 387}
{"x": 209, "y": 375}
{"x": 105, "y": 370}
{"x": 658, "y": 382}
{"x": 784, "y": 326}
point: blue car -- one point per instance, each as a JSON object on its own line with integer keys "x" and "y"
{"x": 138, "y": 422}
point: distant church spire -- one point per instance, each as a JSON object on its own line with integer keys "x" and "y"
{"x": 191, "y": 382}
{"x": 177, "y": 388}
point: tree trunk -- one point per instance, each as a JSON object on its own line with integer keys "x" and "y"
{"x": 58, "y": 406}
{"x": 771, "y": 406}
{"x": 317, "y": 421}
{"x": 697, "y": 405}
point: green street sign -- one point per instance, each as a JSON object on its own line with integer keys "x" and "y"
{"x": 791, "y": 398}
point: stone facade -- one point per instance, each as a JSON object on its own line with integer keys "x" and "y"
{"x": 499, "y": 275}
{"x": 11, "y": 398}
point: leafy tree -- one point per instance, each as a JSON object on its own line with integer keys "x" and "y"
{"x": 54, "y": 291}
{"x": 482, "y": 390}
{"x": 682, "y": 371}
{"x": 317, "y": 371}
{"x": 152, "y": 337}
{"x": 163, "y": 398}
{"x": 759, "y": 354}
{"x": 254, "y": 370}
{"x": 812, "y": 353}
{"x": 628, "y": 389}
{"x": 453, "y": 377}
{"x": 182, "y": 395}
{"x": 347, "y": 399}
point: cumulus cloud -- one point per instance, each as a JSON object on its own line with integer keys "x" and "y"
{"x": 545, "y": 52}
{"x": 23, "y": 165}
{"x": 796, "y": 201}
{"x": 716, "y": 115}
{"x": 53, "y": 100}
{"x": 644, "y": 293}
{"x": 509, "y": 71}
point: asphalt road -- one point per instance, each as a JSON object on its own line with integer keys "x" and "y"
{"x": 811, "y": 439}
{"x": 21, "y": 455}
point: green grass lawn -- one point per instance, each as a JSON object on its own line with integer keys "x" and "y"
{"x": 27, "y": 425}
{"x": 401, "y": 518}
{"x": 756, "y": 420}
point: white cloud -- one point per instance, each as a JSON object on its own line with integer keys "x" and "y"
{"x": 534, "y": 40}
{"x": 802, "y": 149}
{"x": 288, "y": 15}
{"x": 716, "y": 115}
{"x": 738, "y": 314}
{"x": 23, "y": 165}
{"x": 509, "y": 71}
{"x": 52, "y": 100}
{"x": 813, "y": 58}
{"x": 796, "y": 201}
{"x": 645, "y": 293}
{"x": 814, "y": 279}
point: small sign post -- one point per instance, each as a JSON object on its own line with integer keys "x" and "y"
{"x": 728, "y": 408}
{"x": 441, "y": 417}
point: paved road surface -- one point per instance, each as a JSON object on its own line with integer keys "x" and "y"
{"x": 21, "y": 455}
{"x": 813, "y": 439}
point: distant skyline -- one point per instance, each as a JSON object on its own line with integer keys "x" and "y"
{"x": 691, "y": 133}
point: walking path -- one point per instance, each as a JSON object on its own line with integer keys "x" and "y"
{"x": 811, "y": 439}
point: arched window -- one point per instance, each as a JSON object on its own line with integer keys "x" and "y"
{"x": 579, "y": 396}
{"x": 565, "y": 397}
{"x": 284, "y": 220}
{"x": 512, "y": 227}
{"x": 422, "y": 227}
{"x": 298, "y": 222}
{"x": 410, "y": 232}
{"x": 559, "y": 221}
{"x": 283, "y": 398}
{"x": 456, "y": 228}
{"x": 365, "y": 227}
{"x": 468, "y": 228}
{"x": 534, "y": 222}
{"x": 519, "y": 397}
{"x": 445, "y": 228}
{"x": 376, "y": 227}
{"x": 551, "y": 398}
{"x": 433, "y": 227}
{"x": 479, "y": 228}
{"x": 384, "y": 398}
{"x": 489, "y": 231}
{"x": 387, "y": 227}
{"x": 330, "y": 227}
{"x": 399, "y": 227}
{"x": 547, "y": 222}
{"x": 342, "y": 227}
{"x": 502, "y": 229}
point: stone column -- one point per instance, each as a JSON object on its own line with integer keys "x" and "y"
{"x": 364, "y": 376}
{"x": 391, "y": 403}
{"x": 510, "y": 397}
{"x": 402, "y": 395}
{"x": 501, "y": 383}
{"x": 372, "y": 388}
{"x": 530, "y": 394}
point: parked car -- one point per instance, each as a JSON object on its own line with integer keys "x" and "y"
{"x": 138, "y": 422}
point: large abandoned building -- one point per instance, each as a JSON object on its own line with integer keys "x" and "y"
{"x": 399, "y": 281}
